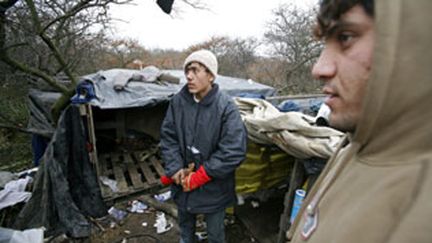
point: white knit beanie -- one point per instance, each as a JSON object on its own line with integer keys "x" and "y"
{"x": 206, "y": 58}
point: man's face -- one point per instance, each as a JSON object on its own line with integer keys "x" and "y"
{"x": 344, "y": 66}
{"x": 199, "y": 81}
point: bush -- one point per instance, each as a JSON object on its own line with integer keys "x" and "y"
{"x": 15, "y": 146}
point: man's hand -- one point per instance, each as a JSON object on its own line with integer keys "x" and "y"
{"x": 195, "y": 179}
{"x": 178, "y": 176}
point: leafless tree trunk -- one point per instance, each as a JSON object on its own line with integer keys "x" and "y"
{"x": 44, "y": 38}
{"x": 236, "y": 56}
{"x": 289, "y": 36}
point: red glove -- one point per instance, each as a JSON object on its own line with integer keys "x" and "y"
{"x": 195, "y": 179}
{"x": 165, "y": 180}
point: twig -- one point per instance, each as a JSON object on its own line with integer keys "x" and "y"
{"x": 167, "y": 208}
{"x": 24, "y": 130}
{"x": 97, "y": 223}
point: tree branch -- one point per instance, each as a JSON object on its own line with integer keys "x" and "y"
{"x": 196, "y": 4}
{"x": 24, "y": 130}
{"x": 33, "y": 71}
{"x": 5, "y": 5}
{"x": 49, "y": 43}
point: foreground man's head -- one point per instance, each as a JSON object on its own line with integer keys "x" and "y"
{"x": 347, "y": 30}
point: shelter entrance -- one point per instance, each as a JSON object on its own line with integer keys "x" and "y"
{"x": 125, "y": 149}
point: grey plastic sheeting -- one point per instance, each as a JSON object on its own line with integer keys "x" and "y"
{"x": 142, "y": 94}
{"x": 65, "y": 190}
{"x": 39, "y": 103}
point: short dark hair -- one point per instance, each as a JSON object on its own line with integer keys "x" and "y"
{"x": 332, "y": 10}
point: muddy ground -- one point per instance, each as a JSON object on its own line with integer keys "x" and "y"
{"x": 247, "y": 224}
{"x": 132, "y": 230}
{"x": 139, "y": 227}
{"x": 253, "y": 221}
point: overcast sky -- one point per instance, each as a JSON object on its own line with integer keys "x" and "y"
{"x": 146, "y": 22}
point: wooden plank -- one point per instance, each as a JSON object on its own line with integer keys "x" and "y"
{"x": 133, "y": 172}
{"x": 148, "y": 175}
{"x": 169, "y": 208}
{"x": 92, "y": 135}
{"x": 119, "y": 174}
{"x": 146, "y": 154}
{"x": 157, "y": 165}
{"x": 125, "y": 166}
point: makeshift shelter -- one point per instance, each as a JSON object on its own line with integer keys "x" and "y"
{"x": 112, "y": 131}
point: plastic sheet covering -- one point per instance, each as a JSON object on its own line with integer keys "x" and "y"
{"x": 66, "y": 189}
{"x": 309, "y": 106}
{"x": 293, "y": 132}
{"x": 142, "y": 94}
{"x": 14, "y": 192}
{"x": 40, "y": 103}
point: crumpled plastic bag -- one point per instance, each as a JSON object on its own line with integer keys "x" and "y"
{"x": 162, "y": 225}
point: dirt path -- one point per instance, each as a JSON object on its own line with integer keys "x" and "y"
{"x": 138, "y": 227}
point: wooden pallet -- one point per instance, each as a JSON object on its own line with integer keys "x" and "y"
{"x": 134, "y": 172}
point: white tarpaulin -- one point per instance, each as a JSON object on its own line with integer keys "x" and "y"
{"x": 26, "y": 236}
{"x": 294, "y": 132}
{"x": 14, "y": 192}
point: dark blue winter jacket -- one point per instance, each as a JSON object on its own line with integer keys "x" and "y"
{"x": 209, "y": 133}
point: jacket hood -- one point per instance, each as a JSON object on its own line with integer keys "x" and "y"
{"x": 396, "y": 121}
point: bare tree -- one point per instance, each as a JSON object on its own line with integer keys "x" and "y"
{"x": 44, "y": 38}
{"x": 123, "y": 53}
{"x": 290, "y": 41}
{"x": 236, "y": 56}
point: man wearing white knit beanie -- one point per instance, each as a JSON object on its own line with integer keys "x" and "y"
{"x": 200, "y": 83}
{"x": 203, "y": 141}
